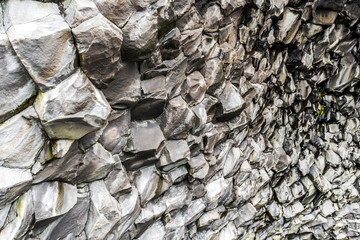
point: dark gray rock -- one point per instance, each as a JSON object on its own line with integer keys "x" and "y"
{"x": 177, "y": 119}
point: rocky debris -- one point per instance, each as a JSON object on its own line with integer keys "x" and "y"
{"x": 55, "y": 61}
{"x": 179, "y": 119}
{"x": 64, "y": 115}
{"x": 21, "y": 140}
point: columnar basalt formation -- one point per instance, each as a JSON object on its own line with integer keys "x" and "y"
{"x": 179, "y": 119}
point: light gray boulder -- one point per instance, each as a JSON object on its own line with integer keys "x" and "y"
{"x": 53, "y": 199}
{"x": 72, "y": 109}
{"x": 13, "y": 183}
{"x": 21, "y": 139}
{"x": 56, "y": 59}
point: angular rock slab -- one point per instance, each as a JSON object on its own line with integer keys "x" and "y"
{"x": 53, "y": 199}
{"x": 104, "y": 212}
{"x": 16, "y": 86}
{"x": 140, "y": 35}
{"x": 74, "y": 108}
{"x": 174, "y": 153}
{"x": 96, "y": 164}
{"x": 23, "y": 207}
{"x": 177, "y": 119}
{"x": 145, "y": 139}
{"x": 48, "y": 55}
{"x": 21, "y": 139}
{"x": 99, "y": 43}
{"x": 13, "y": 182}
{"x": 231, "y": 102}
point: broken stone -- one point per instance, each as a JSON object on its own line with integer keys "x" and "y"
{"x": 177, "y": 119}
{"x": 140, "y": 35}
{"x": 74, "y": 108}
{"x": 199, "y": 167}
{"x": 288, "y": 26}
{"x": 21, "y": 139}
{"x": 231, "y": 102}
{"x": 14, "y": 182}
{"x": 124, "y": 89}
{"x": 174, "y": 153}
{"x": 117, "y": 180}
{"x": 246, "y": 213}
{"x": 53, "y": 199}
{"x": 98, "y": 42}
{"x": 155, "y": 231}
{"x": 17, "y": 88}
{"x": 56, "y": 61}
{"x": 195, "y": 88}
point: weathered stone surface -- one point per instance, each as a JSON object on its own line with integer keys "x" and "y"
{"x": 21, "y": 139}
{"x": 66, "y": 115}
{"x": 140, "y": 35}
{"x": 124, "y": 90}
{"x": 98, "y": 42}
{"x": 117, "y": 181}
{"x": 14, "y": 182}
{"x": 117, "y": 11}
{"x": 23, "y": 207}
{"x": 288, "y": 26}
{"x": 177, "y": 119}
{"x": 16, "y": 87}
{"x": 195, "y": 88}
{"x": 174, "y": 153}
{"x": 96, "y": 164}
{"x": 231, "y": 102}
{"x": 104, "y": 211}
{"x": 155, "y": 231}
{"x": 55, "y": 61}
{"x": 53, "y": 199}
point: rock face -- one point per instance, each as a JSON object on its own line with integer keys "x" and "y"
{"x": 152, "y": 119}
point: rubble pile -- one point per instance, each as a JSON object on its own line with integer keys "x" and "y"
{"x": 166, "y": 119}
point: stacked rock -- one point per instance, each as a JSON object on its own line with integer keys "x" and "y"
{"x": 166, "y": 119}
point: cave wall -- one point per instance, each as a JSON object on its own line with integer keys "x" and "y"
{"x": 167, "y": 119}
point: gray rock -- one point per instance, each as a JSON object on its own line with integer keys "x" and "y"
{"x": 216, "y": 192}
{"x": 232, "y": 162}
{"x": 17, "y": 88}
{"x": 194, "y": 210}
{"x": 282, "y": 160}
{"x": 23, "y": 207}
{"x": 130, "y": 210}
{"x": 117, "y": 11}
{"x": 98, "y": 42}
{"x": 174, "y": 153}
{"x": 190, "y": 20}
{"x": 140, "y": 35}
{"x": 177, "y": 119}
{"x": 78, "y": 11}
{"x": 96, "y": 164}
{"x": 214, "y": 75}
{"x": 55, "y": 61}
{"x": 288, "y": 26}
{"x": 155, "y": 231}
{"x": 3, "y": 214}
{"x": 194, "y": 89}
{"x": 212, "y": 18}
{"x": 72, "y": 223}
{"x": 21, "y": 139}
{"x": 150, "y": 213}
{"x": 145, "y": 139}
{"x": 124, "y": 90}
{"x": 148, "y": 184}
{"x": 178, "y": 174}
{"x": 104, "y": 212}
{"x": 53, "y": 199}
{"x": 74, "y": 108}
{"x": 13, "y": 182}
{"x": 246, "y": 213}
{"x": 117, "y": 180}
{"x": 231, "y": 102}
{"x": 176, "y": 197}
{"x": 199, "y": 167}
{"x": 114, "y": 135}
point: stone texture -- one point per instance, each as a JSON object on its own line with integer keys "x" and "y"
{"x": 65, "y": 115}
{"x": 56, "y": 60}
{"x": 21, "y": 140}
